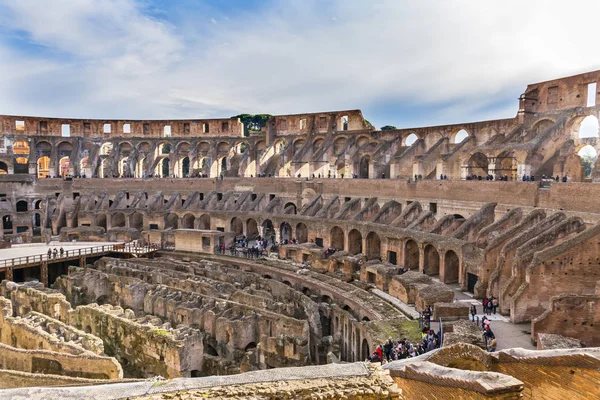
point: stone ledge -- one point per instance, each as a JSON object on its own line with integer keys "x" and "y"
{"x": 487, "y": 383}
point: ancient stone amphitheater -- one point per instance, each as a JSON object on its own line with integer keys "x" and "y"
{"x": 362, "y": 230}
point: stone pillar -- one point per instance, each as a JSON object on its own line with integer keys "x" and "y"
{"x": 44, "y": 273}
{"x": 492, "y": 166}
{"x": 421, "y": 259}
{"x": 9, "y": 274}
{"x": 523, "y": 169}
{"x": 440, "y": 170}
{"x": 82, "y": 262}
{"x": 277, "y": 234}
{"x": 464, "y": 171}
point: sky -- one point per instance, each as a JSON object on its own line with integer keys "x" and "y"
{"x": 403, "y": 63}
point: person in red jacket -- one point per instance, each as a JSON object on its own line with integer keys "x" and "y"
{"x": 379, "y": 352}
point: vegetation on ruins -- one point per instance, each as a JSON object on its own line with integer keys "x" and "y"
{"x": 253, "y": 122}
{"x": 388, "y": 128}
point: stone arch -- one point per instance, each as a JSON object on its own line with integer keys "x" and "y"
{"x": 223, "y": 147}
{"x": 337, "y": 238}
{"x": 21, "y": 206}
{"x": 317, "y": 144}
{"x": 163, "y": 148}
{"x": 106, "y": 149}
{"x": 183, "y": 147}
{"x": 339, "y": 145}
{"x": 117, "y": 220}
{"x": 164, "y": 167}
{"x": 188, "y": 221}
{"x": 101, "y": 221}
{"x": 268, "y": 230}
{"x": 204, "y": 222}
{"x": 411, "y": 254}
{"x": 451, "y": 267}
{"x": 252, "y": 228}
{"x": 587, "y": 128}
{"x": 298, "y": 145}
{"x": 137, "y": 221}
{"x": 203, "y": 147}
{"x": 43, "y": 167}
{"x": 365, "y": 352}
{"x": 171, "y": 221}
{"x": 184, "y": 167}
{"x": 362, "y": 141}
{"x": 588, "y": 156}
{"x": 541, "y": 125}
{"x": 21, "y": 157}
{"x": 279, "y": 145}
{"x": 37, "y": 220}
{"x": 289, "y": 208}
{"x": 431, "y": 260}
{"x": 355, "y": 242}
{"x": 373, "y": 246}
{"x": 64, "y": 166}
{"x": 222, "y": 165}
{"x": 459, "y": 136}
{"x": 285, "y": 231}
{"x": 236, "y": 226}
{"x": 3, "y": 168}
{"x": 144, "y": 148}
{"x": 363, "y": 167}
{"x": 478, "y": 164}
{"x": 7, "y": 225}
{"x": 301, "y": 233}
{"x": 410, "y": 139}
{"x": 506, "y": 165}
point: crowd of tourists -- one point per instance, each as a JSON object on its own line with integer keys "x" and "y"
{"x": 400, "y": 349}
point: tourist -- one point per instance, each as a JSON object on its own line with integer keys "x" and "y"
{"x": 387, "y": 349}
{"x": 473, "y": 311}
{"x": 62, "y": 252}
{"x": 379, "y": 351}
{"x": 49, "y": 253}
{"x": 493, "y": 344}
{"x": 54, "y": 253}
{"x": 494, "y": 304}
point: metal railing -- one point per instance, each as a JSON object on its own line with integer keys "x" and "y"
{"x": 76, "y": 253}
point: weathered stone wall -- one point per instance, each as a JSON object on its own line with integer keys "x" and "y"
{"x": 86, "y": 365}
{"x": 146, "y": 349}
{"x": 572, "y": 315}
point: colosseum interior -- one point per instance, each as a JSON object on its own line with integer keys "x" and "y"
{"x": 362, "y": 231}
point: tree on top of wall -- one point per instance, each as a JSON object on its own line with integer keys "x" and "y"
{"x": 388, "y": 128}
{"x": 253, "y": 122}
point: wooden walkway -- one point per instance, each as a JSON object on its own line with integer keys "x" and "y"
{"x": 7, "y": 266}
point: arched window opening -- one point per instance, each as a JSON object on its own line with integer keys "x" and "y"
{"x": 588, "y": 156}
{"x": 410, "y": 139}
{"x": 588, "y": 127}
{"x": 21, "y": 206}
{"x": 460, "y": 136}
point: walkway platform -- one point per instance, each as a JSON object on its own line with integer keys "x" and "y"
{"x": 26, "y": 256}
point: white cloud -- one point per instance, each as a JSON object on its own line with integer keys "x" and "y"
{"x": 290, "y": 57}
